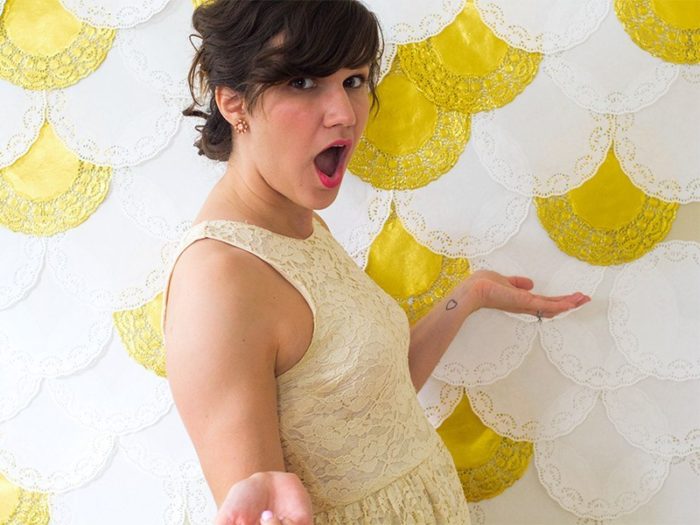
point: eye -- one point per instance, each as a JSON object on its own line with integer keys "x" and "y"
{"x": 302, "y": 83}
{"x": 355, "y": 81}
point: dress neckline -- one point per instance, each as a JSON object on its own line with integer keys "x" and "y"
{"x": 314, "y": 228}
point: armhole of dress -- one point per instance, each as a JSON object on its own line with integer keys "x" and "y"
{"x": 166, "y": 288}
{"x": 298, "y": 286}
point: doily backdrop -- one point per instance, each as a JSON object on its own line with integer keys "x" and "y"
{"x": 555, "y": 139}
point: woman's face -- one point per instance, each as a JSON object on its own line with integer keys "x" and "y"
{"x": 292, "y": 125}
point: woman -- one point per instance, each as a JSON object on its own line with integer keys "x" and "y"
{"x": 293, "y": 372}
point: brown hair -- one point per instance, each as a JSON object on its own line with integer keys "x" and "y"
{"x": 319, "y": 37}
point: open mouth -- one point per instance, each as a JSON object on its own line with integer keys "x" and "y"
{"x": 330, "y": 163}
{"x": 329, "y": 159}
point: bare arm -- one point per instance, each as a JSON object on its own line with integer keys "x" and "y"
{"x": 221, "y": 353}
{"x": 431, "y": 336}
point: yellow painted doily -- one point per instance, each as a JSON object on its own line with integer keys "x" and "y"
{"x": 43, "y": 46}
{"x": 412, "y": 274}
{"x": 50, "y": 190}
{"x": 668, "y": 29}
{"x": 21, "y": 507}
{"x": 486, "y": 462}
{"x": 466, "y": 67}
{"x": 410, "y": 141}
{"x": 607, "y": 220}
{"x": 139, "y": 330}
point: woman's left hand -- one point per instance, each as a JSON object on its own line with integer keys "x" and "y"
{"x": 487, "y": 289}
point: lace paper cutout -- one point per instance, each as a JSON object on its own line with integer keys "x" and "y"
{"x": 512, "y": 150}
{"x": 582, "y": 348}
{"x": 23, "y": 116}
{"x": 141, "y": 336}
{"x": 19, "y": 276}
{"x": 634, "y": 79}
{"x": 657, "y": 36}
{"x": 544, "y": 409}
{"x": 424, "y": 65}
{"x": 439, "y": 399}
{"x": 17, "y": 386}
{"x": 99, "y": 133}
{"x": 429, "y": 160}
{"x": 476, "y": 216}
{"x": 522, "y": 30}
{"x": 651, "y": 419}
{"x": 676, "y": 176}
{"x": 65, "y": 211}
{"x": 414, "y": 21}
{"x": 599, "y": 477}
{"x": 32, "y": 508}
{"x": 666, "y": 350}
{"x": 157, "y": 53}
{"x": 578, "y": 238}
{"x": 60, "y": 70}
{"x": 114, "y": 13}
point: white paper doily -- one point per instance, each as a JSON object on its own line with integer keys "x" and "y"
{"x": 114, "y": 13}
{"x": 439, "y": 400}
{"x": 42, "y": 449}
{"x": 658, "y": 416}
{"x": 413, "y": 21}
{"x": 533, "y": 402}
{"x": 23, "y": 115}
{"x": 532, "y": 159}
{"x": 101, "y": 270}
{"x": 659, "y": 146}
{"x": 159, "y": 52}
{"x": 545, "y": 26}
{"x": 654, "y": 311}
{"x": 475, "y": 215}
{"x": 21, "y": 262}
{"x": 626, "y": 81}
{"x": 581, "y": 347}
{"x": 594, "y": 473}
{"x": 110, "y": 118}
{"x": 164, "y": 194}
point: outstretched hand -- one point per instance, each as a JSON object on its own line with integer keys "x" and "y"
{"x": 512, "y": 294}
{"x": 267, "y": 498}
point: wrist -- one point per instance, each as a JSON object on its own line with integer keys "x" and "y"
{"x": 467, "y": 297}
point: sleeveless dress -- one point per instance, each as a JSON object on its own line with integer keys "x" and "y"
{"x": 350, "y": 423}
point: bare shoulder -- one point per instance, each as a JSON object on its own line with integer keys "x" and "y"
{"x": 216, "y": 299}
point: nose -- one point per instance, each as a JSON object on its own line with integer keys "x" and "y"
{"x": 339, "y": 109}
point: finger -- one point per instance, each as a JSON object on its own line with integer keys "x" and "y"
{"x": 268, "y": 518}
{"x": 521, "y": 282}
{"x": 548, "y": 307}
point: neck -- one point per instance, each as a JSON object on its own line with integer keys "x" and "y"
{"x": 246, "y": 196}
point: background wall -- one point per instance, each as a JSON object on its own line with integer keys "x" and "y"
{"x": 559, "y": 140}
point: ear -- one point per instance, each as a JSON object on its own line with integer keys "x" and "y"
{"x": 230, "y": 103}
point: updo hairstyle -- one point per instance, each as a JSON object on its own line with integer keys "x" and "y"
{"x": 318, "y": 37}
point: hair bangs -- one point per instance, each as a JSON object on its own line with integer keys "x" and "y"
{"x": 318, "y": 39}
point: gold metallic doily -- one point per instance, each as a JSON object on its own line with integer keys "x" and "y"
{"x": 467, "y": 67}
{"x": 486, "y": 462}
{"x": 21, "y": 507}
{"x": 43, "y": 46}
{"x": 141, "y": 335}
{"x": 607, "y": 220}
{"x": 667, "y": 29}
{"x": 410, "y": 141}
{"x": 413, "y": 275}
{"x": 50, "y": 190}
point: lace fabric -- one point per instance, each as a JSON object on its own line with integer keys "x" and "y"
{"x": 350, "y": 423}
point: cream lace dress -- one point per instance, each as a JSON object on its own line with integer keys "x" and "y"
{"x": 350, "y": 423}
